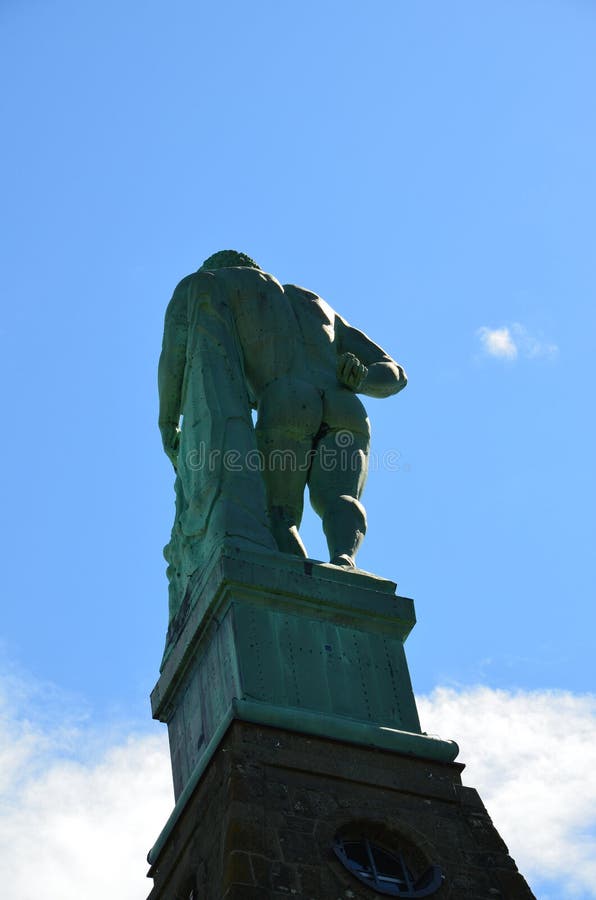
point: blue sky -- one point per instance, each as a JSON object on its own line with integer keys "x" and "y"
{"x": 425, "y": 167}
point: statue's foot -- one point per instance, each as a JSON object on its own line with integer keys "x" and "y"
{"x": 342, "y": 559}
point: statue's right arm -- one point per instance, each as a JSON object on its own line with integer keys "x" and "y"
{"x": 171, "y": 372}
{"x": 364, "y": 366}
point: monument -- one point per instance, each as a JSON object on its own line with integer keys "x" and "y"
{"x": 300, "y": 767}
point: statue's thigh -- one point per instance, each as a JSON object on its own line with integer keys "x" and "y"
{"x": 343, "y": 411}
{"x": 339, "y": 468}
{"x": 286, "y": 464}
{"x": 290, "y": 415}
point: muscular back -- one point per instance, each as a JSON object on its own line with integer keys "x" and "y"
{"x": 290, "y": 334}
{"x": 285, "y": 332}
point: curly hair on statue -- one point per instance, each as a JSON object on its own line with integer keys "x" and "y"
{"x": 225, "y": 258}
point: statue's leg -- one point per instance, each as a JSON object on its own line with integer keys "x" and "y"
{"x": 337, "y": 478}
{"x": 174, "y": 555}
{"x": 289, "y": 418}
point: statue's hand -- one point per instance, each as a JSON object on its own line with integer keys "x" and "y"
{"x": 170, "y": 435}
{"x": 350, "y": 371}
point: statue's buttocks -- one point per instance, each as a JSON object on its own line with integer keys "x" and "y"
{"x": 289, "y": 343}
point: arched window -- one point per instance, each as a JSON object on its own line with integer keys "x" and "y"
{"x": 384, "y": 871}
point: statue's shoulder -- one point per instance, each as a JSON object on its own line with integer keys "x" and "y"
{"x": 195, "y": 279}
{"x": 248, "y": 279}
{"x": 240, "y": 278}
{"x": 299, "y": 293}
{"x": 301, "y": 298}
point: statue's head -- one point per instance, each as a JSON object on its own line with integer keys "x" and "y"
{"x": 224, "y": 258}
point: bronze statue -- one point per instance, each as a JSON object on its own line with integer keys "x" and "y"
{"x": 235, "y": 338}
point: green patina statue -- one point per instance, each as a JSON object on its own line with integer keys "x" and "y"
{"x": 235, "y": 339}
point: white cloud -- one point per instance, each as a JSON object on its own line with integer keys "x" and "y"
{"x": 77, "y": 817}
{"x": 80, "y": 807}
{"x": 531, "y": 757}
{"x": 498, "y": 342}
{"x": 511, "y": 341}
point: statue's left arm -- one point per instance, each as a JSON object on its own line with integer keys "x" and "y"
{"x": 170, "y": 374}
{"x": 363, "y": 366}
